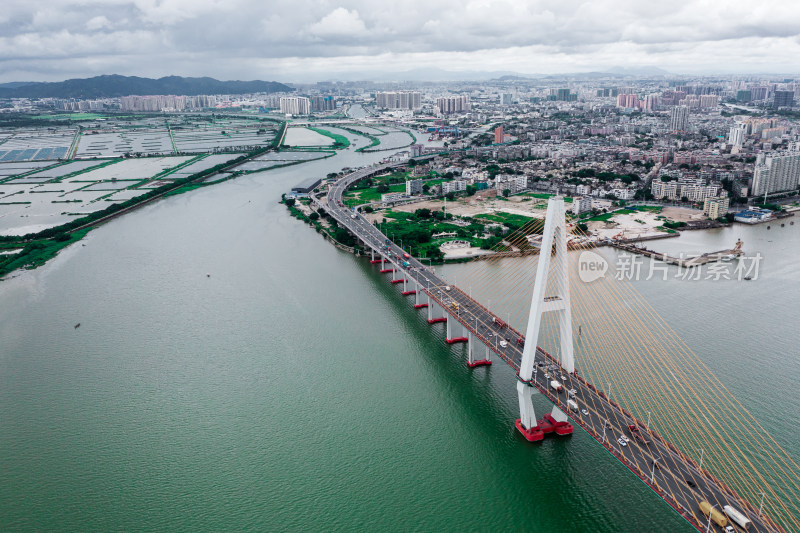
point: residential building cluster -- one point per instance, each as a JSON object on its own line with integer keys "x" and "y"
{"x": 399, "y": 100}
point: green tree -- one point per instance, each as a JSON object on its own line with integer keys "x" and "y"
{"x": 289, "y": 202}
{"x": 506, "y": 192}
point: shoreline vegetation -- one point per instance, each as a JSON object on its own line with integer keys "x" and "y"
{"x": 340, "y": 142}
{"x": 35, "y": 249}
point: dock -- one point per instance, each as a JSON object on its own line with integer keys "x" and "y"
{"x": 684, "y": 262}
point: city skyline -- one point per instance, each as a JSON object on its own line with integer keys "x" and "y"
{"x": 313, "y": 40}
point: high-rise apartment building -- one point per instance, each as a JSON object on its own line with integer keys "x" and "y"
{"x": 759, "y": 93}
{"x": 679, "y": 118}
{"x": 783, "y": 99}
{"x": 627, "y": 100}
{"x": 709, "y": 100}
{"x": 399, "y": 100}
{"x": 453, "y": 104}
{"x": 776, "y": 172}
{"x": 736, "y": 137}
{"x": 498, "y": 135}
{"x": 323, "y": 103}
{"x": 506, "y": 99}
{"x": 651, "y": 102}
{"x": 295, "y": 105}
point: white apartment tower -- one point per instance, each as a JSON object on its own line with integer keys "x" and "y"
{"x": 736, "y": 137}
{"x": 679, "y": 118}
{"x": 295, "y": 105}
{"x": 777, "y": 172}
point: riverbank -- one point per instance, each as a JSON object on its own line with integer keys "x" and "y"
{"x": 35, "y": 249}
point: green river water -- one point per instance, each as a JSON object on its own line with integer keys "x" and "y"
{"x": 295, "y": 390}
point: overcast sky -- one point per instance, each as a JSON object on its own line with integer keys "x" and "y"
{"x": 304, "y": 40}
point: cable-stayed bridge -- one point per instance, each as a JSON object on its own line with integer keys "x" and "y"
{"x": 656, "y": 373}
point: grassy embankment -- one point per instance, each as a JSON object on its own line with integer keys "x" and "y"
{"x": 36, "y": 252}
{"x": 373, "y": 140}
{"x": 339, "y": 141}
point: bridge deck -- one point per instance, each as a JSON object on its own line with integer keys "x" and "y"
{"x": 599, "y": 416}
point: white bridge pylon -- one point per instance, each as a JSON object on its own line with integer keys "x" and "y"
{"x": 550, "y": 295}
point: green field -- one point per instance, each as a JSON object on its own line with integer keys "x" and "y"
{"x": 651, "y": 208}
{"x": 607, "y": 216}
{"x": 356, "y": 197}
{"x": 503, "y": 218}
{"x": 71, "y": 116}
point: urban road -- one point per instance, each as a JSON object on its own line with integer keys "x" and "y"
{"x": 672, "y": 475}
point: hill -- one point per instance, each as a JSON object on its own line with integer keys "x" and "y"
{"x": 115, "y": 86}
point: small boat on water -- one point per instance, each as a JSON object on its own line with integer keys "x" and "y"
{"x": 77, "y": 325}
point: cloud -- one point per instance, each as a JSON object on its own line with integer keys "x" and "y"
{"x": 228, "y": 37}
{"x": 339, "y": 23}
{"x": 98, "y": 23}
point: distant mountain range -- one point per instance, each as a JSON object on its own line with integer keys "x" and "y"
{"x": 115, "y": 86}
{"x": 441, "y": 75}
